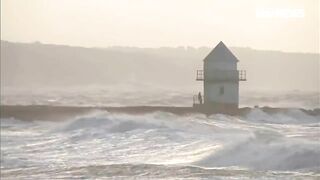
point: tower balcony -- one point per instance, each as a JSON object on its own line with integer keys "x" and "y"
{"x": 222, "y": 75}
{"x": 200, "y": 75}
{"x": 242, "y": 75}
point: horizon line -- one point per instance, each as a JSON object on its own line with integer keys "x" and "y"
{"x": 178, "y": 46}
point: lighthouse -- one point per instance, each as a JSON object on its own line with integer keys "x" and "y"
{"x": 220, "y": 78}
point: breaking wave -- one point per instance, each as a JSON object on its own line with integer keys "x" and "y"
{"x": 163, "y": 143}
{"x": 267, "y": 151}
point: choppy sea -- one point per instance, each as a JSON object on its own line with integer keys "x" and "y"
{"x": 104, "y": 145}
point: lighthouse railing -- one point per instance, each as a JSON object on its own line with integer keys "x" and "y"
{"x": 196, "y": 101}
{"x": 242, "y": 75}
{"x": 200, "y": 75}
{"x": 222, "y": 75}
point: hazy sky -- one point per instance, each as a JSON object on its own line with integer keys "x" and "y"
{"x": 287, "y": 25}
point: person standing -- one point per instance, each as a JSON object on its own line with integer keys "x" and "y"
{"x": 200, "y": 97}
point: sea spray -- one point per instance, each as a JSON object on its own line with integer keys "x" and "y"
{"x": 174, "y": 146}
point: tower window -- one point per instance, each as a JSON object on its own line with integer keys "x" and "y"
{"x": 221, "y": 90}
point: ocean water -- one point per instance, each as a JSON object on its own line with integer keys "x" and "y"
{"x": 103, "y": 145}
{"x": 133, "y": 94}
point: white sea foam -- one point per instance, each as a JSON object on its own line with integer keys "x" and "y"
{"x": 260, "y": 141}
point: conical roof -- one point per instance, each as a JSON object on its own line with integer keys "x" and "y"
{"x": 221, "y": 53}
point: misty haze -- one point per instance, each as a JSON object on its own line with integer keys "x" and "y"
{"x": 43, "y": 70}
{"x": 169, "y": 89}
